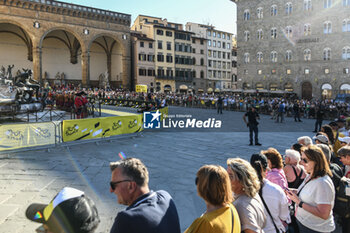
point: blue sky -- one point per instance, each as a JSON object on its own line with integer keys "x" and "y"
{"x": 219, "y": 13}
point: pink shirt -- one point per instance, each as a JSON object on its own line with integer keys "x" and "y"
{"x": 278, "y": 177}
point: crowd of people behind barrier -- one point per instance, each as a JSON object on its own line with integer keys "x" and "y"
{"x": 63, "y": 97}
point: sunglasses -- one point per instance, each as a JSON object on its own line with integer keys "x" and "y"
{"x": 304, "y": 160}
{"x": 115, "y": 183}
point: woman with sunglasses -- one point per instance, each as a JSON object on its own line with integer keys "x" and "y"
{"x": 245, "y": 186}
{"x": 315, "y": 196}
{"x": 213, "y": 185}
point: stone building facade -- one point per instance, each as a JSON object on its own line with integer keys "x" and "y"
{"x": 53, "y": 37}
{"x": 219, "y": 45}
{"x": 143, "y": 60}
{"x": 199, "y": 53}
{"x": 294, "y": 46}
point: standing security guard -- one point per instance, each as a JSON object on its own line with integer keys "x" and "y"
{"x": 252, "y": 123}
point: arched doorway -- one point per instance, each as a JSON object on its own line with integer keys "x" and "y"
{"x": 16, "y": 49}
{"x": 326, "y": 91}
{"x": 167, "y": 88}
{"x": 288, "y": 87}
{"x": 259, "y": 86}
{"x": 61, "y": 58}
{"x": 273, "y": 87}
{"x": 306, "y": 90}
{"x": 106, "y": 56}
{"x": 344, "y": 89}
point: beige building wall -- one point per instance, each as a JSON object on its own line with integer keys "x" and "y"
{"x": 199, "y": 53}
{"x": 13, "y": 52}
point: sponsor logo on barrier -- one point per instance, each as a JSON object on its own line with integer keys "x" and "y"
{"x": 42, "y": 132}
{"x": 72, "y": 130}
{"x": 132, "y": 124}
{"x": 116, "y": 125}
{"x": 14, "y": 135}
{"x": 151, "y": 120}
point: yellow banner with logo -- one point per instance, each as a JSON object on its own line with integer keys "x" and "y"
{"x": 74, "y": 130}
{"x": 164, "y": 111}
{"x": 141, "y": 88}
{"x": 16, "y": 136}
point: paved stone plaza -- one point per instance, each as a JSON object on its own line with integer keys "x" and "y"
{"x": 172, "y": 157}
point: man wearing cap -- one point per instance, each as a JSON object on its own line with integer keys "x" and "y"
{"x": 69, "y": 212}
{"x": 321, "y": 139}
{"x": 147, "y": 211}
{"x": 252, "y": 123}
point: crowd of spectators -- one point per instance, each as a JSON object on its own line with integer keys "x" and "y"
{"x": 63, "y": 98}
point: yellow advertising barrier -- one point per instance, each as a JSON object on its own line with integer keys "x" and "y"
{"x": 141, "y": 88}
{"x": 16, "y": 136}
{"x": 74, "y": 130}
{"x": 164, "y": 111}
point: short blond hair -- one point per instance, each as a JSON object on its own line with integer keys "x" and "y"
{"x": 214, "y": 185}
{"x": 246, "y": 175}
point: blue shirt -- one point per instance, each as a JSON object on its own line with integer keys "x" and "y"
{"x": 153, "y": 212}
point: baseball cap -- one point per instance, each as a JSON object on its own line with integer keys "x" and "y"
{"x": 321, "y": 138}
{"x": 70, "y": 211}
{"x": 344, "y": 139}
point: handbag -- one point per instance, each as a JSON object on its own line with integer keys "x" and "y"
{"x": 342, "y": 201}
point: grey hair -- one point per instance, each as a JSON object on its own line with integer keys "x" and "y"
{"x": 246, "y": 175}
{"x": 132, "y": 168}
{"x": 293, "y": 155}
{"x": 326, "y": 151}
{"x": 306, "y": 140}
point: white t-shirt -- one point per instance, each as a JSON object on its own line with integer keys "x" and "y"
{"x": 277, "y": 202}
{"x": 251, "y": 213}
{"x": 317, "y": 191}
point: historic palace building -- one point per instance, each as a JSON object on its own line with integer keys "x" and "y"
{"x": 294, "y": 46}
{"x": 219, "y": 59}
{"x": 65, "y": 41}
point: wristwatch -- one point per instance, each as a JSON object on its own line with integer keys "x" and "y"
{"x": 301, "y": 204}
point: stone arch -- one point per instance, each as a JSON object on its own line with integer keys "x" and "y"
{"x": 326, "y": 91}
{"x": 344, "y": 88}
{"x": 61, "y": 50}
{"x": 74, "y": 33}
{"x": 259, "y": 86}
{"x": 23, "y": 34}
{"x": 288, "y": 87}
{"x": 114, "y": 51}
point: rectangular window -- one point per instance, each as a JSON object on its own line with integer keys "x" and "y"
{"x": 259, "y": 71}
{"x": 306, "y": 71}
{"x": 245, "y": 71}
{"x": 169, "y": 58}
{"x": 346, "y": 70}
{"x": 160, "y": 57}
{"x": 150, "y": 72}
{"x": 214, "y": 34}
{"x": 142, "y": 44}
{"x": 150, "y": 45}
{"x": 168, "y": 33}
{"x": 160, "y": 32}
{"x": 209, "y": 43}
{"x": 209, "y": 33}
{"x": 160, "y": 44}
{"x": 214, "y": 43}
{"x": 219, "y": 44}
{"x": 168, "y": 45}
{"x": 209, "y": 53}
{"x": 326, "y": 71}
{"x": 202, "y": 51}
{"x": 288, "y": 71}
{"x": 142, "y": 72}
{"x": 150, "y": 58}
